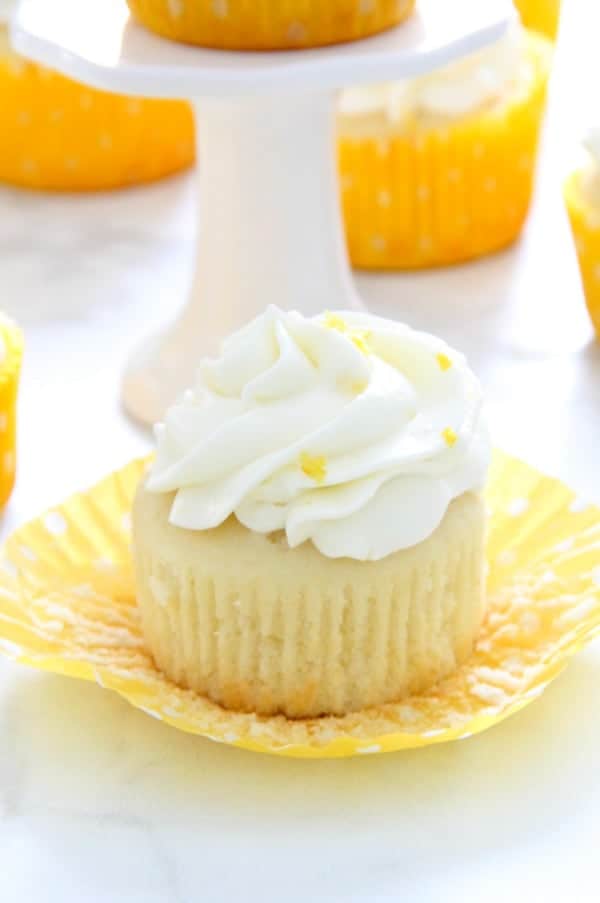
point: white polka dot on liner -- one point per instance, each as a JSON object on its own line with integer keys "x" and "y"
{"x": 507, "y": 557}
{"x": 126, "y": 522}
{"x": 597, "y": 272}
{"x": 578, "y": 504}
{"x": 230, "y": 737}
{"x": 105, "y": 141}
{"x": 220, "y": 8}
{"x": 16, "y": 65}
{"x": 24, "y": 118}
{"x": 105, "y": 565}
{"x": 3, "y": 422}
{"x": 596, "y": 576}
{"x": 384, "y": 198}
{"x": 8, "y": 462}
{"x": 517, "y": 507}
{"x": 565, "y": 544}
{"x": 176, "y": 8}
{"x": 378, "y": 243}
{"x": 366, "y": 7}
{"x": 454, "y": 175}
{"x": 55, "y": 523}
{"x": 134, "y": 106}
{"x": 490, "y": 184}
{"x": 369, "y": 750}
{"x": 423, "y": 193}
{"x": 29, "y": 167}
{"x": 297, "y": 33}
{"x": 8, "y": 567}
{"x": 525, "y": 162}
{"x": 28, "y": 553}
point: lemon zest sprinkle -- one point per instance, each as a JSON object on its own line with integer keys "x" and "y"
{"x": 314, "y": 466}
{"x": 444, "y": 361}
{"x": 333, "y": 321}
{"x": 359, "y": 337}
{"x": 449, "y": 436}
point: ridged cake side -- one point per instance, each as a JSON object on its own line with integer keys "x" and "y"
{"x": 256, "y": 626}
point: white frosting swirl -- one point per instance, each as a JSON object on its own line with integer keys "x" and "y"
{"x": 457, "y": 89}
{"x": 348, "y": 430}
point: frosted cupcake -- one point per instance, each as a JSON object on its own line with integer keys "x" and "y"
{"x": 310, "y": 537}
{"x": 540, "y": 15}
{"x": 59, "y": 135}
{"x": 582, "y": 197}
{"x": 439, "y": 169}
{"x": 269, "y": 24}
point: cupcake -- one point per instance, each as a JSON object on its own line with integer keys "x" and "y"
{"x": 310, "y": 537}
{"x": 439, "y": 169}
{"x": 540, "y": 15}
{"x": 268, "y": 24}
{"x": 11, "y": 350}
{"x": 57, "y": 134}
{"x": 582, "y": 198}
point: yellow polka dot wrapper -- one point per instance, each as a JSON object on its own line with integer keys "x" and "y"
{"x": 431, "y": 191}
{"x": 540, "y": 15}
{"x": 268, "y": 24}
{"x": 585, "y": 225}
{"x": 11, "y": 345}
{"x": 67, "y": 604}
{"x": 58, "y": 135}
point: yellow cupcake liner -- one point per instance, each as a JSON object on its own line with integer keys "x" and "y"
{"x": 67, "y": 604}
{"x": 268, "y": 24}
{"x": 428, "y": 195}
{"x": 540, "y": 15}
{"x": 59, "y": 135}
{"x": 585, "y": 225}
{"x": 10, "y": 369}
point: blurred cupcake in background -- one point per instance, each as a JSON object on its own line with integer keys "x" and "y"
{"x": 439, "y": 169}
{"x": 57, "y": 134}
{"x": 11, "y": 350}
{"x": 582, "y": 197}
{"x": 269, "y": 24}
{"x": 540, "y": 15}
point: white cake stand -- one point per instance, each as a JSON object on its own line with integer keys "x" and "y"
{"x": 270, "y": 230}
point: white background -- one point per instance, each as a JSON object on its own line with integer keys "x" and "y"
{"x": 99, "y": 803}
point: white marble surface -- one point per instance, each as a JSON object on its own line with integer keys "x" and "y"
{"x": 99, "y": 803}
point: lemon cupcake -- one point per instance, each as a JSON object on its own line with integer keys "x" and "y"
{"x": 57, "y": 134}
{"x": 440, "y": 169}
{"x": 540, "y": 15}
{"x": 11, "y": 350}
{"x": 310, "y": 537}
{"x": 268, "y": 24}
{"x": 582, "y": 198}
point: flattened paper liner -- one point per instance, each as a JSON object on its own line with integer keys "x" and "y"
{"x": 67, "y": 604}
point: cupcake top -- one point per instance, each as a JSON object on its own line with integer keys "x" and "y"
{"x": 346, "y": 429}
{"x": 458, "y": 89}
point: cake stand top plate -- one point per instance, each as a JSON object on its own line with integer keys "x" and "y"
{"x": 96, "y": 42}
